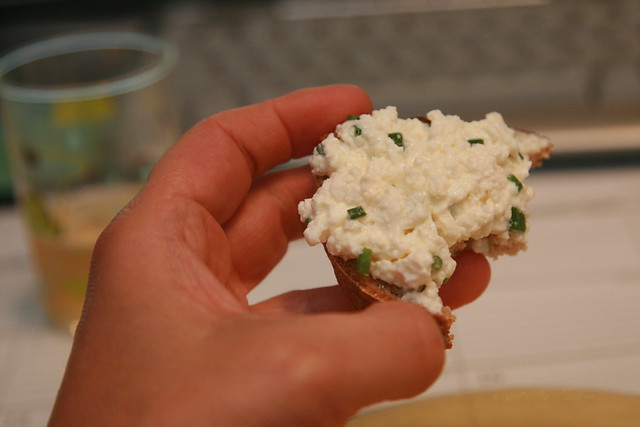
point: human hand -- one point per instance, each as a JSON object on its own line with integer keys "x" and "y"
{"x": 167, "y": 336}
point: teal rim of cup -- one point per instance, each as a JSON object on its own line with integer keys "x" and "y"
{"x": 166, "y": 51}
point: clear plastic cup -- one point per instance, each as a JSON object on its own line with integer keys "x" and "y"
{"x": 85, "y": 118}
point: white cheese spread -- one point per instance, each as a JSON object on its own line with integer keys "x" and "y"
{"x": 408, "y": 191}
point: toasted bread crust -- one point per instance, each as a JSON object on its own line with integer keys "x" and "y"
{"x": 364, "y": 290}
{"x": 539, "y": 157}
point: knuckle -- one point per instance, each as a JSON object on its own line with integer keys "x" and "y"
{"x": 309, "y": 377}
{"x": 302, "y": 365}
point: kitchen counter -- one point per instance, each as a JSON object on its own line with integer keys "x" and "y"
{"x": 563, "y": 314}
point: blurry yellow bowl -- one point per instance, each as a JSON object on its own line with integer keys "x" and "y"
{"x": 523, "y": 408}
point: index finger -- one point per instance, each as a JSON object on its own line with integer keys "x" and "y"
{"x": 216, "y": 161}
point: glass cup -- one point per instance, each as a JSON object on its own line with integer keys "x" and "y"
{"x": 85, "y": 117}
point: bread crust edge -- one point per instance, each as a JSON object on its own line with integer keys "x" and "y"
{"x": 363, "y": 290}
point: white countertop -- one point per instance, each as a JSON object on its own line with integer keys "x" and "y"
{"x": 563, "y": 314}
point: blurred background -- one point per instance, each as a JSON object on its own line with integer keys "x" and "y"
{"x": 569, "y": 69}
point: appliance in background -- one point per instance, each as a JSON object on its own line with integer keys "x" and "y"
{"x": 570, "y": 69}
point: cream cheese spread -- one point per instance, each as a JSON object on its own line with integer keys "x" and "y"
{"x": 405, "y": 192}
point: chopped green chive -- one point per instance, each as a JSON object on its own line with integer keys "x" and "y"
{"x": 397, "y": 139}
{"x": 517, "y": 221}
{"x": 353, "y": 117}
{"x": 437, "y": 263}
{"x": 356, "y": 212}
{"x": 476, "y": 141}
{"x": 421, "y": 288}
{"x": 357, "y": 131}
{"x": 516, "y": 181}
{"x": 307, "y": 221}
{"x": 320, "y": 149}
{"x": 521, "y": 156}
{"x": 363, "y": 262}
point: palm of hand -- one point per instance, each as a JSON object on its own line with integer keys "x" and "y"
{"x": 167, "y": 333}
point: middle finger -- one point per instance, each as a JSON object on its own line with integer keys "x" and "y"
{"x": 260, "y": 230}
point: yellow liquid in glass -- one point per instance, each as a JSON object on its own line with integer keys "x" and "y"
{"x": 63, "y": 259}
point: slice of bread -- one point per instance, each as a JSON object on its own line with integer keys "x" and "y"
{"x": 365, "y": 289}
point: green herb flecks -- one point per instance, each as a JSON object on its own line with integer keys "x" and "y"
{"x": 517, "y": 221}
{"x": 356, "y": 212}
{"x": 307, "y": 221}
{"x": 397, "y": 139}
{"x": 421, "y": 288}
{"x": 516, "y": 181}
{"x": 437, "y": 263}
{"x": 521, "y": 156}
{"x": 320, "y": 149}
{"x": 357, "y": 131}
{"x": 363, "y": 262}
{"x": 476, "y": 141}
{"x": 353, "y": 117}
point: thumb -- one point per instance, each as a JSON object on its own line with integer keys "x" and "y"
{"x": 389, "y": 351}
